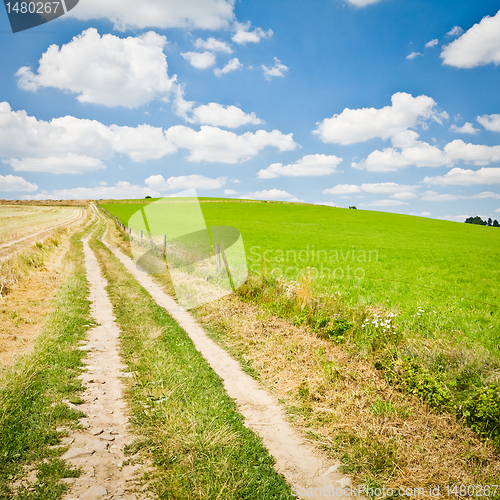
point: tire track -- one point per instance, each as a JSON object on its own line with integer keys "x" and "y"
{"x": 301, "y": 465}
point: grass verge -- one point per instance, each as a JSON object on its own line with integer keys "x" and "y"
{"x": 191, "y": 430}
{"x": 33, "y": 389}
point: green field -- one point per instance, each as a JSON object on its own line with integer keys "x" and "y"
{"x": 447, "y": 272}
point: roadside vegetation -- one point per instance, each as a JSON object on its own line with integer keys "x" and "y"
{"x": 191, "y": 430}
{"x": 35, "y": 390}
{"x": 423, "y": 322}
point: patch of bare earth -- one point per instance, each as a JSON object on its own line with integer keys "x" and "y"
{"x": 99, "y": 448}
{"x": 347, "y": 407}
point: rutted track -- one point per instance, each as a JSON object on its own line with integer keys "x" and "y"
{"x": 295, "y": 459}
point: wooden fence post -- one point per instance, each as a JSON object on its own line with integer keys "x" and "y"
{"x": 217, "y": 257}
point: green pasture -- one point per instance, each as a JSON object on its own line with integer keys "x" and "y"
{"x": 441, "y": 277}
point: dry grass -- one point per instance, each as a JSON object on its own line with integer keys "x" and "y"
{"x": 348, "y": 409}
{"x": 31, "y": 290}
{"x": 19, "y": 221}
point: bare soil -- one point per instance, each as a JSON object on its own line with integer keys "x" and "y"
{"x": 98, "y": 448}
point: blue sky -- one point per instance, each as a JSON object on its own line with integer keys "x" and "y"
{"x": 388, "y": 105}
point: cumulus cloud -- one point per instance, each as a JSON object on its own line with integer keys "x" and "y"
{"x": 126, "y": 14}
{"x": 383, "y": 203}
{"x": 465, "y": 177}
{"x": 432, "y": 43}
{"x": 360, "y": 125}
{"x": 13, "y": 183}
{"x": 497, "y": 210}
{"x": 455, "y": 31}
{"x": 199, "y": 60}
{"x": 223, "y": 116}
{"x": 121, "y": 190}
{"x": 105, "y": 70}
{"x": 159, "y": 183}
{"x": 467, "y": 128}
{"x": 271, "y": 194}
{"x": 308, "y": 166}
{"x": 23, "y": 136}
{"x": 400, "y": 191}
{"x": 342, "y": 189}
{"x": 490, "y": 122}
{"x": 232, "y": 65}
{"x": 278, "y": 69}
{"x": 213, "y": 144}
{"x": 434, "y": 196}
{"x": 243, "y": 34}
{"x": 412, "y": 152}
{"x": 70, "y": 164}
{"x": 413, "y": 55}
{"x": 213, "y": 45}
{"x": 230, "y": 191}
{"x": 480, "y": 45}
{"x": 478, "y": 154}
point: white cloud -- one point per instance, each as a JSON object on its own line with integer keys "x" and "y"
{"x": 400, "y": 191}
{"x": 232, "y": 65}
{"x": 230, "y": 191}
{"x": 383, "y": 203}
{"x": 413, "y": 152}
{"x": 105, "y": 70}
{"x": 200, "y": 60}
{"x": 326, "y": 203}
{"x": 70, "y": 164}
{"x": 213, "y": 45}
{"x": 359, "y": 125}
{"x": 490, "y": 122}
{"x": 461, "y": 177}
{"x": 271, "y": 194}
{"x": 433, "y": 196}
{"x": 224, "y": 116}
{"x": 362, "y": 3}
{"x": 213, "y": 144}
{"x": 432, "y": 43}
{"x": 455, "y": 31}
{"x": 478, "y": 154}
{"x": 23, "y": 136}
{"x": 413, "y": 55}
{"x": 243, "y": 34}
{"x": 12, "y": 183}
{"x": 341, "y": 189}
{"x": 480, "y": 45}
{"x": 497, "y": 210}
{"x": 121, "y": 190}
{"x": 158, "y": 182}
{"x": 387, "y": 187}
{"x": 278, "y": 69}
{"x": 467, "y": 128}
{"x": 404, "y": 195}
{"x": 126, "y": 14}
{"x": 308, "y": 166}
